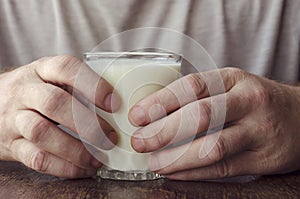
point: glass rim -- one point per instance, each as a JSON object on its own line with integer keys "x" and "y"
{"x": 124, "y": 54}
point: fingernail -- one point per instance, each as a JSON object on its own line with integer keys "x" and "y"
{"x": 138, "y": 115}
{"x": 112, "y": 102}
{"x": 138, "y": 142}
{"x": 96, "y": 164}
{"x": 90, "y": 172}
{"x": 110, "y": 140}
{"x": 153, "y": 163}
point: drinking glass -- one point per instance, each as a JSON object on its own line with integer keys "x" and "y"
{"x": 133, "y": 75}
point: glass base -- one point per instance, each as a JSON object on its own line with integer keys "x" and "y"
{"x": 127, "y": 175}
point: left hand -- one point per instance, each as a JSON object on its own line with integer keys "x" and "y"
{"x": 261, "y": 134}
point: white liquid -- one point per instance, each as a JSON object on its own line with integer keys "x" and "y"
{"x": 133, "y": 79}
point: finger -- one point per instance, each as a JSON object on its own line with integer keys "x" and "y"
{"x": 72, "y": 72}
{"x": 202, "y": 152}
{"x": 237, "y": 165}
{"x": 57, "y": 104}
{"x": 193, "y": 118}
{"x": 183, "y": 91}
{"x": 48, "y": 137}
{"x": 43, "y": 162}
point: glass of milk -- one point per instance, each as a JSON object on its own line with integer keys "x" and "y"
{"x": 133, "y": 75}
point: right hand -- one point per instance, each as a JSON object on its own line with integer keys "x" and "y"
{"x": 34, "y": 99}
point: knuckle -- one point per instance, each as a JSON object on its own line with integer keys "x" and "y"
{"x": 192, "y": 115}
{"x": 82, "y": 154}
{"x": 260, "y": 94}
{"x": 222, "y": 169}
{"x": 38, "y": 129}
{"x": 37, "y": 63}
{"x": 66, "y": 62}
{"x": 38, "y": 161}
{"x": 205, "y": 111}
{"x": 71, "y": 171}
{"x": 236, "y": 72}
{"x": 195, "y": 84}
{"x": 55, "y": 101}
{"x": 218, "y": 151}
{"x": 159, "y": 135}
{"x": 160, "y": 139}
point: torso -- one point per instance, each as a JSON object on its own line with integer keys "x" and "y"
{"x": 261, "y": 37}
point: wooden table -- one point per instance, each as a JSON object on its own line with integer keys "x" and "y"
{"x": 16, "y": 181}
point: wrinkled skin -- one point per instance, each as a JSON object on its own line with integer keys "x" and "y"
{"x": 34, "y": 99}
{"x": 260, "y": 136}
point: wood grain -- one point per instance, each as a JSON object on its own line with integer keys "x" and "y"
{"x": 16, "y": 181}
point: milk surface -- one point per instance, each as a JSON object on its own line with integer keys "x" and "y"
{"x": 132, "y": 79}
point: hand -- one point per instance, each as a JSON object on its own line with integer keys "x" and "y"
{"x": 34, "y": 99}
{"x": 261, "y": 133}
